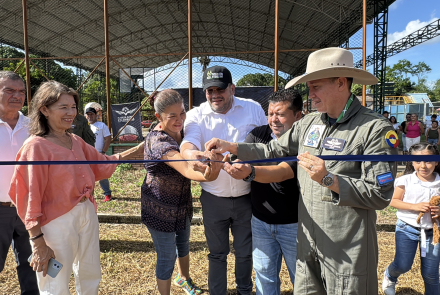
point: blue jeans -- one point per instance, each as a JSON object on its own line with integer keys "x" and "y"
{"x": 168, "y": 247}
{"x": 407, "y": 241}
{"x": 433, "y": 141}
{"x": 270, "y": 242}
{"x": 105, "y": 185}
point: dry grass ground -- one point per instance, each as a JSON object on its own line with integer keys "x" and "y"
{"x": 128, "y": 264}
{"x": 128, "y": 256}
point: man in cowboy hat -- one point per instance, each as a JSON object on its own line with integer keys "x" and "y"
{"x": 337, "y": 241}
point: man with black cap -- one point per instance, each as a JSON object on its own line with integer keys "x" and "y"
{"x": 102, "y": 143}
{"x": 226, "y": 202}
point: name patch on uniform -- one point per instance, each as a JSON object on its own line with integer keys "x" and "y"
{"x": 335, "y": 144}
{"x": 385, "y": 178}
{"x": 392, "y": 139}
{"x": 314, "y": 136}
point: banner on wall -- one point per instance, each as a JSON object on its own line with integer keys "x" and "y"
{"x": 121, "y": 113}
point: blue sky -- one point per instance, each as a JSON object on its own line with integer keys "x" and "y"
{"x": 404, "y": 17}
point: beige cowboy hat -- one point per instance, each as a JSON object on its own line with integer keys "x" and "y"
{"x": 333, "y": 62}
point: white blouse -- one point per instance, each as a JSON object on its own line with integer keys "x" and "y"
{"x": 417, "y": 191}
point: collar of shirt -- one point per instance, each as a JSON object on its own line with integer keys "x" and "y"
{"x": 274, "y": 137}
{"x": 20, "y": 121}
{"x": 206, "y": 108}
{"x": 416, "y": 180}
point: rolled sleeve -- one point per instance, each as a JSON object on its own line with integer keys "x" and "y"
{"x": 28, "y": 185}
{"x": 193, "y": 133}
{"x": 367, "y": 192}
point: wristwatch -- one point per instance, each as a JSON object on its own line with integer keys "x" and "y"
{"x": 327, "y": 180}
{"x": 251, "y": 176}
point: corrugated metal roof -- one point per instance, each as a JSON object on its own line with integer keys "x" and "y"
{"x": 76, "y": 28}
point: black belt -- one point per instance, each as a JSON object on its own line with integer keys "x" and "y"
{"x": 7, "y": 204}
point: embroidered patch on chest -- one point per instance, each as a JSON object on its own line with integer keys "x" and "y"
{"x": 335, "y": 144}
{"x": 314, "y": 136}
{"x": 385, "y": 178}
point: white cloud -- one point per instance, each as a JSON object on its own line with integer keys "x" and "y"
{"x": 412, "y": 26}
{"x": 395, "y": 4}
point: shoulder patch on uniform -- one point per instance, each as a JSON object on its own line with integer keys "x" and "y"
{"x": 392, "y": 139}
{"x": 385, "y": 178}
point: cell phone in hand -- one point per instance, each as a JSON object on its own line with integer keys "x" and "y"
{"x": 53, "y": 267}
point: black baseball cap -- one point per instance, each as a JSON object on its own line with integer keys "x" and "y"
{"x": 216, "y": 76}
{"x": 91, "y": 110}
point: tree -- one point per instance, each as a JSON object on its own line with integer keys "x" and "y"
{"x": 259, "y": 79}
{"x": 50, "y": 68}
{"x": 420, "y": 70}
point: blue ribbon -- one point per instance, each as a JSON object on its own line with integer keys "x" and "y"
{"x": 348, "y": 158}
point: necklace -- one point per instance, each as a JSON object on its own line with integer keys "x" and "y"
{"x": 66, "y": 142}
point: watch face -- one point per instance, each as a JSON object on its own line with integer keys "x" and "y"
{"x": 328, "y": 180}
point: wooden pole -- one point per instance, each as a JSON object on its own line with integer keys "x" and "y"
{"x": 190, "y": 89}
{"x": 364, "y": 49}
{"x": 275, "y": 88}
{"x": 107, "y": 65}
{"x": 26, "y": 56}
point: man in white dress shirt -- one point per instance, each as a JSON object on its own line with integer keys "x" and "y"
{"x": 13, "y": 133}
{"x": 226, "y": 201}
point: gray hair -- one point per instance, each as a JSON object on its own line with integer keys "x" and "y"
{"x": 163, "y": 99}
{"x": 10, "y": 75}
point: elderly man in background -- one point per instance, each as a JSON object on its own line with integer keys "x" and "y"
{"x": 337, "y": 240}
{"x": 274, "y": 195}
{"x": 13, "y": 133}
{"x": 226, "y": 202}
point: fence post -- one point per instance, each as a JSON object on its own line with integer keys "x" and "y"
{"x": 107, "y": 65}
{"x": 26, "y": 56}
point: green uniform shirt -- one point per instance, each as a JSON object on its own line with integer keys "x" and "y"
{"x": 337, "y": 241}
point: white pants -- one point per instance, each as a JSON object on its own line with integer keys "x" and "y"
{"x": 411, "y": 141}
{"x": 74, "y": 238}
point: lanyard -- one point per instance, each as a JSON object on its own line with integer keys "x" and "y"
{"x": 347, "y": 106}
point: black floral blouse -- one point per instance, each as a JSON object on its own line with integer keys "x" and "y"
{"x": 166, "y": 200}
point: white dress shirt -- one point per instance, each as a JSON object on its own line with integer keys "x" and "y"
{"x": 10, "y": 143}
{"x": 202, "y": 124}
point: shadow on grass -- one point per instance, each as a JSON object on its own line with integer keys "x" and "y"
{"x": 407, "y": 291}
{"x": 140, "y": 246}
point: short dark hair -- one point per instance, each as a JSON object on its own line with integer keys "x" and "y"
{"x": 385, "y": 112}
{"x": 408, "y": 114}
{"x": 434, "y": 116}
{"x": 435, "y": 121}
{"x": 290, "y": 95}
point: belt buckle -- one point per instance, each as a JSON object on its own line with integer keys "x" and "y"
{"x": 11, "y": 205}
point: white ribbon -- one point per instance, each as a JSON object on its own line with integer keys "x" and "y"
{"x": 423, "y": 243}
